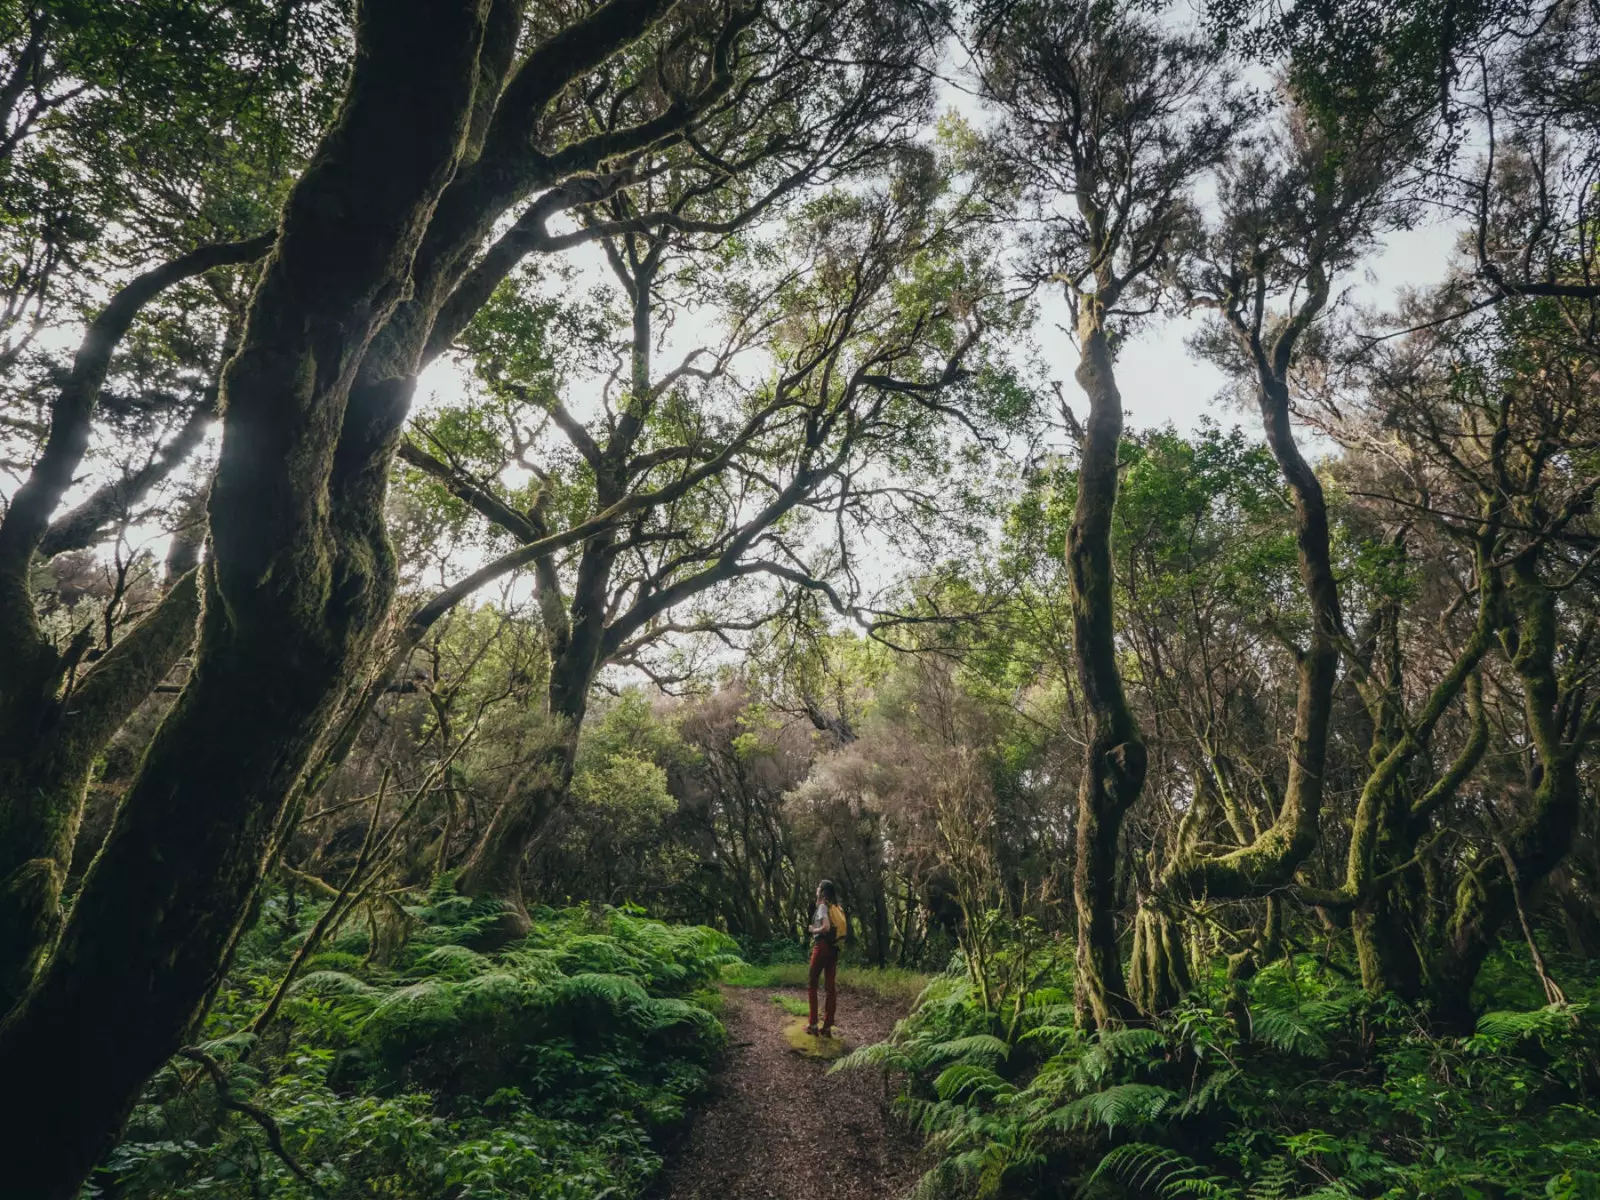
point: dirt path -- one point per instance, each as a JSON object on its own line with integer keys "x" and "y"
{"x": 778, "y": 1127}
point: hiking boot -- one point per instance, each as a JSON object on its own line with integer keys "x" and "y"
{"x": 811, "y": 1031}
{"x": 826, "y": 1031}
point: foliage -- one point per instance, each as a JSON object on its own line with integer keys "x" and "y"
{"x": 1299, "y": 1087}
{"x": 547, "y": 1068}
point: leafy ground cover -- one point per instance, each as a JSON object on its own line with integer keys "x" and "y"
{"x": 424, "y": 1065}
{"x": 1296, "y": 1087}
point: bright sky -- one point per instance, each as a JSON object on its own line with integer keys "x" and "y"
{"x": 1161, "y": 381}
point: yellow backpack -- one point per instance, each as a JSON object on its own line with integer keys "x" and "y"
{"x": 840, "y": 925}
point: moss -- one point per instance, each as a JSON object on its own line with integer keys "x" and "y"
{"x": 812, "y": 1046}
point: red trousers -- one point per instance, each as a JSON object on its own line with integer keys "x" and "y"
{"x": 824, "y": 962}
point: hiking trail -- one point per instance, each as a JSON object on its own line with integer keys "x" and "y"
{"x": 779, "y": 1127}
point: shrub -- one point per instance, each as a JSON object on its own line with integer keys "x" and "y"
{"x": 549, "y": 1068}
{"x": 1311, "y": 1091}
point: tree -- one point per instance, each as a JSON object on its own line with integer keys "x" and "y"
{"x": 718, "y": 479}
{"x": 1480, "y": 407}
{"x": 56, "y": 714}
{"x": 185, "y": 166}
{"x": 1117, "y": 118}
{"x": 290, "y": 598}
{"x": 380, "y": 258}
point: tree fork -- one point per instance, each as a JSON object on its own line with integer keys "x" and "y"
{"x": 296, "y": 584}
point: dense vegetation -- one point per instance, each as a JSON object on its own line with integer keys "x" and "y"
{"x": 1298, "y": 1084}
{"x": 501, "y": 496}
{"x": 547, "y": 1069}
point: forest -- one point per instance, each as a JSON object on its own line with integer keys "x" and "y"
{"x": 498, "y": 498}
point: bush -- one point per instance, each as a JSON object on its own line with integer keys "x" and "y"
{"x": 1312, "y": 1090}
{"x": 547, "y": 1069}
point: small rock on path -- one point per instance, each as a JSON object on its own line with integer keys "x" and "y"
{"x": 779, "y": 1127}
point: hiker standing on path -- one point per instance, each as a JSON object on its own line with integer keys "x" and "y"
{"x": 828, "y": 926}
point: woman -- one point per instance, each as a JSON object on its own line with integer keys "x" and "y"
{"x": 828, "y": 926}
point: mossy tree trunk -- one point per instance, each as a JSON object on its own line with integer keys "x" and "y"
{"x": 493, "y": 870}
{"x": 298, "y": 579}
{"x": 1541, "y": 835}
{"x": 56, "y": 714}
{"x": 1114, "y": 761}
{"x": 49, "y": 753}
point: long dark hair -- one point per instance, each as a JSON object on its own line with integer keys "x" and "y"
{"x": 829, "y": 890}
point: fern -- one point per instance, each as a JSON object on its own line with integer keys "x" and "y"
{"x": 1108, "y": 1050}
{"x": 1276, "y": 1181}
{"x": 453, "y": 962}
{"x": 1053, "y": 1024}
{"x": 970, "y": 1080}
{"x": 876, "y": 1054}
{"x": 1162, "y": 1173}
{"x": 332, "y": 983}
{"x": 515, "y": 1073}
{"x": 1121, "y": 1107}
{"x": 232, "y": 1046}
{"x": 1514, "y": 1026}
{"x": 613, "y": 991}
{"x": 1286, "y": 1030}
{"x": 981, "y": 1048}
{"x": 1215, "y": 1086}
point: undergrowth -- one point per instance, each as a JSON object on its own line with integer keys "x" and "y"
{"x": 547, "y": 1069}
{"x": 792, "y": 1005}
{"x": 894, "y": 985}
{"x": 1310, "y": 1091}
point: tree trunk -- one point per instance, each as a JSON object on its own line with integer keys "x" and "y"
{"x": 299, "y": 578}
{"x": 1158, "y": 975}
{"x": 880, "y": 921}
{"x": 1114, "y": 762}
{"x": 493, "y": 871}
{"x": 1384, "y": 930}
{"x": 1541, "y": 838}
{"x": 44, "y": 774}
{"x": 52, "y": 725}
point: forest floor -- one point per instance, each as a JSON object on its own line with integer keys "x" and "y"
{"x": 779, "y": 1127}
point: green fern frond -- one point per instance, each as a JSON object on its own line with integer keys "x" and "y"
{"x": 969, "y": 1080}
{"x": 1276, "y": 1180}
{"x": 1214, "y": 1087}
{"x": 453, "y": 962}
{"x": 431, "y": 1001}
{"x": 1047, "y": 997}
{"x": 1285, "y": 1029}
{"x": 1513, "y": 1026}
{"x": 877, "y": 1054}
{"x": 980, "y": 1048}
{"x": 332, "y": 983}
{"x": 1336, "y": 1190}
{"x": 1124, "y": 1106}
{"x": 1163, "y": 1173}
{"x": 1132, "y": 1042}
{"x": 233, "y": 1046}
{"x": 669, "y": 1012}
{"x": 614, "y": 991}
